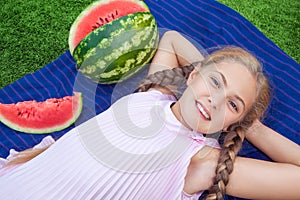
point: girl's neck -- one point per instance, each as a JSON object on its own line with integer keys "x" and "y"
{"x": 175, "y": 107}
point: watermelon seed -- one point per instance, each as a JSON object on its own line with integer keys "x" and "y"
{"x": 105, "y": 20}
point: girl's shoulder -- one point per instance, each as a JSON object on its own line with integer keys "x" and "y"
{"x": 158, "y": 93}
{"x": 143, "y": 100}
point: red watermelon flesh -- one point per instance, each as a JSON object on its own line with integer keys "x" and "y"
{"x": 42, "y": 117}
{"x": 100, "y": 13}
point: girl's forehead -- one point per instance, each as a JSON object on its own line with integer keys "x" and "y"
{"x": 220, "y": 64}
{"x": 226, "y": 66}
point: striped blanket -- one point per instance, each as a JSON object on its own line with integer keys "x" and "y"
{"x": 210, "y": 24}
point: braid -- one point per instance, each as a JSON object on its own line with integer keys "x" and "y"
{"x": 236, "y": 132}
{"x": 172, "y": 79}
{"x": 231, "y": 146}
{"x": 233, "y": 143}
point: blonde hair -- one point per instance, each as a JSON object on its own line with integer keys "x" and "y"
{"x": 236, "y": 132}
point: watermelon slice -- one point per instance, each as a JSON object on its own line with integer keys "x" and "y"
{"x": 42, "y": 117}
{"x": 100, "y": 13}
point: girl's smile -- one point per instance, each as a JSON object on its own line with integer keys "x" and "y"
{"x": 202, "y": 111}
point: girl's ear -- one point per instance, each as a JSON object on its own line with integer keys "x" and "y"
{"x": 192, "y": 76}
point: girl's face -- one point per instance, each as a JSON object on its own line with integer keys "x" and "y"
{"x": 216, "y": 97}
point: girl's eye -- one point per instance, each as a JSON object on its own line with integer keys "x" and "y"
{"x": 215, "y": 82}
{"x": 233, "y": 105}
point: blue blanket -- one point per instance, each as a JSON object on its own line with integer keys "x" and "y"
{"x": 210, "y": 24}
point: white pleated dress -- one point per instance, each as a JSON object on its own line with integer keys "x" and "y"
{"x": 136, "y": 149}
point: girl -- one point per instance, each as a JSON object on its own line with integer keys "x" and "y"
{"x": 155, "y": 144}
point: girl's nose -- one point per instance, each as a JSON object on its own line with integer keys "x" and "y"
{"x": 216, "y": 101}
{"x": 211, "y": 102}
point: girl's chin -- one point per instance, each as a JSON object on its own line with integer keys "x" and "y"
{"x": 210, "y": 128}
{"x": 208, "y": 131}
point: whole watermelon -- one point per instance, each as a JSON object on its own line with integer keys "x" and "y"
{"x": 119, "y": 48}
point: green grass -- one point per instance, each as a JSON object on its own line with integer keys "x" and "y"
{"x": 279, "y": 20}
{"x": 34, "y": 33}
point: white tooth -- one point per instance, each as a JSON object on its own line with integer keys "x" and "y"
{"x": 202, "y": 111}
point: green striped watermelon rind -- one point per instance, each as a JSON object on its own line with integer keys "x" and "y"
{"x": 103, "y": 57}
{"x": 76, "y": 99}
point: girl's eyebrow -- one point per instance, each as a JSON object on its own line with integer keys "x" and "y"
{"x": 235, "y": 96}
{"x": 223, "y": 78}
{"x": 240, "y": 99}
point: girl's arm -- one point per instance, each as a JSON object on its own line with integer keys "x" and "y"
{"x": 257, "y": 179}
{"x": 174, "y": 50}
{"x": 276, "y": 146}
{"x": 250, "y": 178}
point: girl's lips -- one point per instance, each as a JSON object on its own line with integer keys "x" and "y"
{"x": 203, "y": 111}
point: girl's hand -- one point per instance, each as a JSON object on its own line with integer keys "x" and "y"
{"x": 201, "y": 170}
